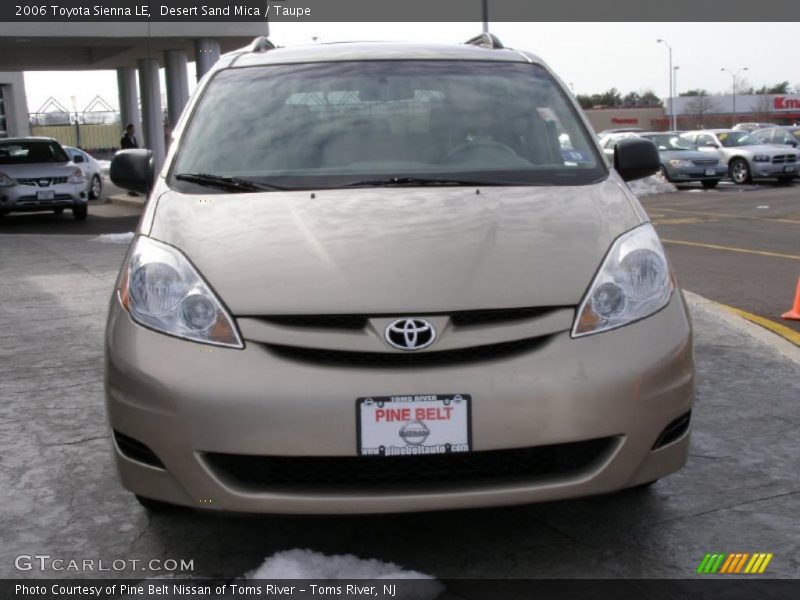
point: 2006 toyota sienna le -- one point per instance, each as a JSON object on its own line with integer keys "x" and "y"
{"x": 380, "y": 277}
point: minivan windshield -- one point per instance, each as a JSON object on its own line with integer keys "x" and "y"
{"x": 399, "y": 122}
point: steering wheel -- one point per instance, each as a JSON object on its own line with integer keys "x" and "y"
{"x": 477, "y": 146}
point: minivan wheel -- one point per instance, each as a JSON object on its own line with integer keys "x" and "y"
{"x": 740, "y": 171}
{"x": 79, "y": 213}
{"x": 711, "y": 183}
{"x": 156, "y": 506}
{"x": 96, "y": 188}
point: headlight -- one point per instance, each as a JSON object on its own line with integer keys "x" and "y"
{"x": 633, "y": 283}
{"x": 163, "y": 291}
{"x": 761, "y": 158}
{"x": 6, "y": 181}
{"x": 77, "y": 176}
{"x": 681, "y": 163}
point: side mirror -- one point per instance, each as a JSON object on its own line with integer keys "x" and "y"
{"x": 133, "y": 170}
{"x": 635, "y": 158}
{"x": 78, "y": 158}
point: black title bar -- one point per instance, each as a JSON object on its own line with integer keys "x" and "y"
{"x": 394, "y": 10}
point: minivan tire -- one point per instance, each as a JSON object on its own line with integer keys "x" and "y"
{"x": 79, "y": 213}
{"x": 156, "y": 506}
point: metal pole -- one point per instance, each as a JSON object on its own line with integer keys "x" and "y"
{"x": 675, "y": 91}
{"x": 733, "y": 77}
{"x": 485, "y": 6}
{"x": 671, "y": 108}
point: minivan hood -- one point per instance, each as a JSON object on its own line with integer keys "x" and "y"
{"x": 397, "y": 250}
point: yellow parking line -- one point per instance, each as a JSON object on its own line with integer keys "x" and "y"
{"x": 729, "y": 216}
{"x": 781, "y": 330}
{"x": 733, "y": 249}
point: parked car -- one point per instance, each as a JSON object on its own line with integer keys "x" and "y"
{"x": 416, "y": 303}
{"x": 91, "y": 168}
{"x": 608, "y": 143}
{"x": 682, "y": 162}
{"x": 747, "y": 157}
{"x": 752, "y": 126}
{"x": 779, "y": 136}
{"x": 619, "y": 130}
{"x": 37, "y": 174}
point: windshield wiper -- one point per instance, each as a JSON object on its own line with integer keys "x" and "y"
{"x": 234, "y": 184}
{"x": 418, "y": 181}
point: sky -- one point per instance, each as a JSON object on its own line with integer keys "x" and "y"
{"x": 591, "y": 57}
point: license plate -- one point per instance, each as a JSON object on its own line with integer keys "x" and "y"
{"x": 46, "y": 195}
{"x": 413, "y": 425}
{"x": 790, "y": 169}
{"x": 711, "y": 171}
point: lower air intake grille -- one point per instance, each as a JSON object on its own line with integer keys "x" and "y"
{"x": 441, "y": 358}
{"x": 673, "y": 431}
{"x": 136, "y": 450}
{"x": 495, "y": 466}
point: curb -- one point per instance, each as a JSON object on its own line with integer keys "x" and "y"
{"x": 137, "y": 201}
{"x": 774, "y": 341}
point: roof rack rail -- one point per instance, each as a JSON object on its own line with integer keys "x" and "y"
{"x": 486, "y": 40}
{"x": 261, "y": 44}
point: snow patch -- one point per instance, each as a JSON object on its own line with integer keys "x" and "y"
{"x": 306, "y": 564}
{"x": 114, "y": 238}
{"x": 655, "y": 184}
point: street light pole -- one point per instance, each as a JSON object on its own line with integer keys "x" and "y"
{"x": 734, "y": 76}
{"x": 671, "y": 109}
{"x": 485, "y": 7}
{"x": 675, "y": 90}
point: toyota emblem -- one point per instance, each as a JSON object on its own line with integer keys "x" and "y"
{"x": 410, "y": 334}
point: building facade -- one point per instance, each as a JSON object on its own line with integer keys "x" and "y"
{"x": 13, "y": 105}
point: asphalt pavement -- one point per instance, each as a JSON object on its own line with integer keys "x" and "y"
{"x": 738, "y": 245}
{"x": 59, "y": 494}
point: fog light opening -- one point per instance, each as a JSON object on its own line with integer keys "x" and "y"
{"x": 674, "y": 431}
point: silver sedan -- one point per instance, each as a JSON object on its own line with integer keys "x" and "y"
{"x": 90, "y": 167}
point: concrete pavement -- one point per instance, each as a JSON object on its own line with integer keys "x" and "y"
{"x": 59, "y": 494}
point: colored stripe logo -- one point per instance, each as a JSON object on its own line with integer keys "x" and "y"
{"x": 743, "y": 563}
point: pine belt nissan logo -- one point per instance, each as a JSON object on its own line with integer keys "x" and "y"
{"x": 410, "y": 334}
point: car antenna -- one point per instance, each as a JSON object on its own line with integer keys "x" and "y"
{"x": 486, "y": 40}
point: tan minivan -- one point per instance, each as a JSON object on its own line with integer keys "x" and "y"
{"x": 380, "y": 277}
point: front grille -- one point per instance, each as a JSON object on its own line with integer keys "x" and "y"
{"x": 464, "y": 318}
{"x": 41, "y": 181}
{"x": 705, "y": 163}
{"x": 494, "y": 466}
{"x": 784, "y": 158}
{"x": 459, "y": 356}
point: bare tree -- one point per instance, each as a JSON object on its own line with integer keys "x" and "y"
{"x": 761, "y": 109}
{"x": 699, "y": 105}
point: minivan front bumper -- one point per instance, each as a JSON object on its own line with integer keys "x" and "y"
{"x": 177, "y": 406}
